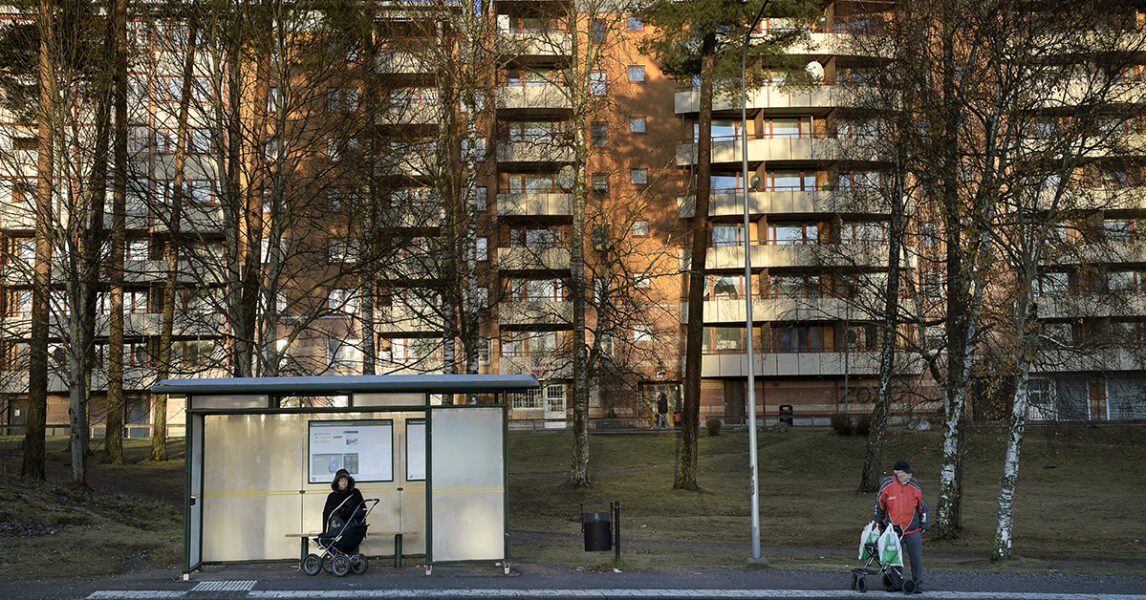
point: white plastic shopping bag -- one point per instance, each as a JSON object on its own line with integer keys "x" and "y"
{"x": 869, "y": 538}
{"x": 890, "y": 552}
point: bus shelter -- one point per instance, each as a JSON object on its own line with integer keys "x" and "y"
{"x": 262, "y": 452}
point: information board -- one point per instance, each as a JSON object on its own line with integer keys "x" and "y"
{"x": 364, "y": 448}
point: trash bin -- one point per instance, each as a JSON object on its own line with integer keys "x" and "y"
{"x": 598, "y": 531}
{"x": 786, "y": 414}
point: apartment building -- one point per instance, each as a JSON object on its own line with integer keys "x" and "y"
{"x": 376, "y": 129}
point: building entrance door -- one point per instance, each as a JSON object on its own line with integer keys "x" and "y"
{"x": 554, "y": 402}
{"x": 734, "y": 402}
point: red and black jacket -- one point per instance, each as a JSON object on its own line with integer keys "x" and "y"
{"x": 902, "y": 504}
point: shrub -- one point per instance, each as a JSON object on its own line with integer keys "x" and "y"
{"x": 862, "y": 424}
{"x": 713, "y": 426}
{"x": 842, "y": 424}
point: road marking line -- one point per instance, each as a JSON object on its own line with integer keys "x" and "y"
{"x": 664, "y": 593}
{"x": 133, "y": 594}
{"x": 225, "y": 586}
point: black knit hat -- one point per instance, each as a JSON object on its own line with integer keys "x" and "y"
{"x": 342, "y": 473}
{"x": 901, "y": 465}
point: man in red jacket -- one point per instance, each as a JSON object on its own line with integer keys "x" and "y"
{"x": 900, "y": 501}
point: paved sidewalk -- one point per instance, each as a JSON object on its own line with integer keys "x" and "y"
{"x": 283, "y": 581}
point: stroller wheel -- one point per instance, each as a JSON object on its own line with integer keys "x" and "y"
{"x": 853, "y": 585}
{"x": 328, "y": 562}
{"x": 861, "y": 584}
{"x": 341, "y": 565}
{"x": 311, "y": 565}
{"x": 908, "y": 586}
{"x": 358, "y": 564}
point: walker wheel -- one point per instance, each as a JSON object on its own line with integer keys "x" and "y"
{"x": 908, "y": 586}
{"x": 311, "y": 565}
{"x": 861, "y": 585}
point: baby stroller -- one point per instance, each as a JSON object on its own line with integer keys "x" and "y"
{"x": 339, "y": 543}
{"x": 890, "y": 575}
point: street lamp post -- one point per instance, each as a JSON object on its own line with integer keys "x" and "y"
{"x": 752, "y": 458}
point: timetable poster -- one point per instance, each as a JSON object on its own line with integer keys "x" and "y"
{"x": 364, "y": 448}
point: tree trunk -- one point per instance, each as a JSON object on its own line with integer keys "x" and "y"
{"x": 579, "y": 476}
{"x": 1024, "y": 314}
{"x": 32, "y": 466}
{"x": 686, "y": 467}
{"x": 873, "y": 456}
{"x": 171, "y": 254}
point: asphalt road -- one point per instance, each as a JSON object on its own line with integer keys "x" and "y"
{"x": 282, "y": 581}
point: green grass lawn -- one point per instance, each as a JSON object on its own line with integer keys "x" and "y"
{"x": 1080, "y": 497}
{"x": 1079, "y": 503}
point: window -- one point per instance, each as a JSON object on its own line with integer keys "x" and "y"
{"x": 1129, "y": 282}
{"x": 531, "y": 183}
{"x": 723, "y": 287}
{"x": 479, "y": 149}
{"x": 798, "y": 339}
{"x": 527, "y": 343}
{"x": 340, "y": 251}
{"x": 783, "y": 234}
{"x": 865, "y": 232}
{"x": 727, "y": 235}
{"x": 634, "y": 23}
{"x": 930, "y": 233}
{"x": 795, "y": 286}
{"x": 535, "y": 237}
{"x": 529, "y": 399}
{"x": 639, "y": 176}
{"x": 343, "y": 300}
{"x": 597, "y": 83}
{"x": 344, "y": 353}
{"x": 598, "y": 134}
{"x": 1054, "y": 284}
{"x": 484, "y": 349}
{"x": 789, "y": 181}
{"x": 637, "y": 74}
{"x": 137, "y": 250}
{"x": 273, "y": 100}
{"x": 640, "y": 228}
{"x": 601, "y": 185}
{"x": 1122, "y": 230}
{"x": 482, "y": 199}
{"x": 642, "y": 334}
{"x": 933, "y": 286}
{"x": 723, "y": 339}
{"x": 600, "y": 290}
{"x": 599, "y": 28}
{"x": 20, "y": 303}
{"x": 638, "y": 124}
{"x": 536, "y": 290}
{"x": 483, "y": 249}
{"x": 642, "y": 280}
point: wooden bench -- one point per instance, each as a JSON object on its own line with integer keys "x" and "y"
{"x": 397, "y": 543}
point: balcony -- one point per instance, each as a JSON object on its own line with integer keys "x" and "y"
{"x": 783, "y": 309}
{"x": 534, "y": 99}
{"x": 534, "y": 205}
{"x": 1070, "y": 306}
{"x": 543, "y": 367}
{"x": 771, "y": 150}
{"x": 535, "y": 152}
{"x": 534, "y": 45}
{"x": 794, "y": 364}
{"x": 871, "y": 256}
{"x": 532, "y": 259}
{"x": 824, "y": 96}
{"x": 409, "y": 114}
{"x": 395, "y": 320}
{"x": 397, "y": 62}
{"x": 770, "y": 203}
{"x": 527, "y": 314}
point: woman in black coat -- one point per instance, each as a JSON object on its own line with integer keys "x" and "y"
{"x": 343, "y": 486}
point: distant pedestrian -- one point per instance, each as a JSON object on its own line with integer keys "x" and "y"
{"x": 662, "y": 411}
{"x": 900, "y": 501}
